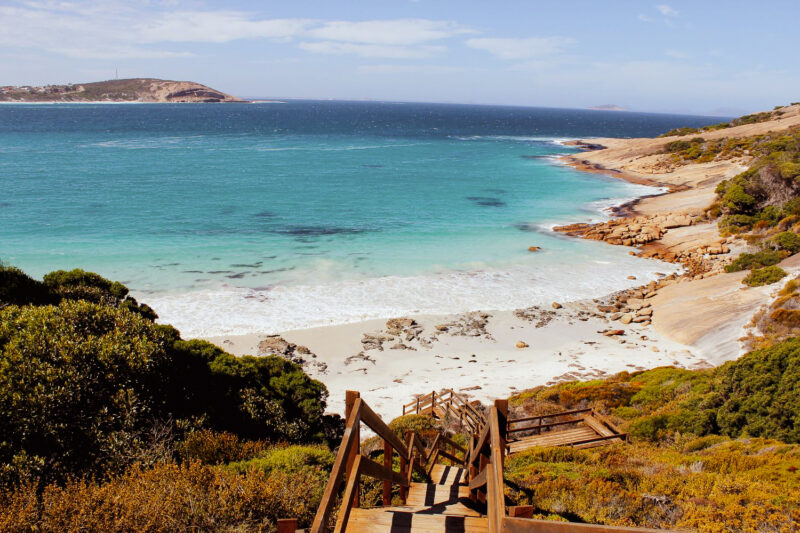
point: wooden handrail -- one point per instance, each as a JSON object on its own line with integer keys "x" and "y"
{"x": 546, "y": 426}
{"x": 328, "y": 497}
{"x": 563, "y": 413}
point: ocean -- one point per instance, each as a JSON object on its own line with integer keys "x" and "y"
{"x": 259, "y": 218}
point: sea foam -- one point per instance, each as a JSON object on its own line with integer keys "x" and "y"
{"x": 229, "y": 310}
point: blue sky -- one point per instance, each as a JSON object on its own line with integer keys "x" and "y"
{"x": 710, "y": 57}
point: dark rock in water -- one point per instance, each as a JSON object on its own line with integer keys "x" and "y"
{"x": 534, "y": 156}
{"x": 265, "y": 214}
{"x": 5, "y": 204}
{"x": 486, "y": 201}
{"x": 318, "y": 231}
{"x": 220, "y": 272}
{"x": 238, "y": 275}
{"x": 243, "y": 265}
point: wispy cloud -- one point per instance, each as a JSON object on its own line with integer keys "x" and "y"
{"x": 371, "y": 50}
{"x": 99, "y": 29}
{"x": 388, "y": 32}
{"x": 644, "y": 18}
{"x": 667, "y": 10}
{"x": 676, "y": 54}
{"x": 521, "y": 48}
{"x": 408, "y": 69}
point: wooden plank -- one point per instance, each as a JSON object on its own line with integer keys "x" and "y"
{"x": 349, "y": 496}
{"x": 598, "y": 426}
{"x": 527, "y": 525}
{"x": 478, "y": 481}
{"x": 377, "y": 425}
{"x": 287, "y": 525}
{"x": 546, "y": 426}
{"x": 482, "y": 440}
{"x": 349, "y": 439}
{"x": 372, "y": 469}
{"x": 387, "y": 464}
{"x": 563, "y": 413}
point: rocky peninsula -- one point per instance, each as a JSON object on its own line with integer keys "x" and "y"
{"x": 144, "y": 90}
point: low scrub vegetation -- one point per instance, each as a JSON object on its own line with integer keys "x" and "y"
{"x": 113, "y": 422}
{"x": 741, "y": 121}
{"x": 711, "y": 450}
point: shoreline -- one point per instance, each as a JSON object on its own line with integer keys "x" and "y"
{"x": 562, "y": 342}
{"x": 694, "y": 320}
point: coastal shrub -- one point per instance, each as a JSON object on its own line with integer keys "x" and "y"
{"x": 79, "y": 382}
{"x": 90, "y": 388}
{"x": 736, "y": 200}
{"x": 764, "y": 276}
{"x": 747, "y": 261}
{"x": 294, "y": 458}
{"x": 17, "y": 288}
{"x": 712, "y": 485}
{"x": 759, "y": 393}
{"x": 217, "y": 447}
{"x": 165, "y": 498}
{"x": 787, "y": 240}
{"x": 78, "y": 284}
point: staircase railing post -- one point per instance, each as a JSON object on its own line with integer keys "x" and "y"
{"x": 387, "y": 463}
{"x": 350, "y": 399}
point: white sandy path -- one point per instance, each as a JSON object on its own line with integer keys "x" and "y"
{"x": 566, "y": 345}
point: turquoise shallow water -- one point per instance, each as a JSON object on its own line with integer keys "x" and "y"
{"x": 245, "y": 218}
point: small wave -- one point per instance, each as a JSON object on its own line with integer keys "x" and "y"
{"x": 334, "y": 149}
{"x": 239, "y": 311}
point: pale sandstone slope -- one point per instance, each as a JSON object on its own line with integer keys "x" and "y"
{"x": 709, "y": 312}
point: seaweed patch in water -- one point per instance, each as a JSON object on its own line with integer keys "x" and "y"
{"x": 486, "y": 201}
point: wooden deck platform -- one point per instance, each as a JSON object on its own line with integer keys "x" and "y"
{"x": 579, "y": 429}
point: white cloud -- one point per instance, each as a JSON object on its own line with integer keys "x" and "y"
{"x": 370, "y": 50}
{"x": 406, "y": 69}
{"x": 667, "y": 10}
{"x": 644, "y": 18}
{"x": 524, "y": 48}
{"x": 95, "y": 29}
{"x": 388, "y": 32}
{"x": 218, "y": 27}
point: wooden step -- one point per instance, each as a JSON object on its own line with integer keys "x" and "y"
{"x": 448, "y": 475}
{"x": 428, "y": 494}
{"x": 402, "y": 519}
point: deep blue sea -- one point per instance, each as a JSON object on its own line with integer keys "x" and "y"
{"x": 243, "y": 218}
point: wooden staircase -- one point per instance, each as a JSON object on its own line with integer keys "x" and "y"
{"x": 465, "y": 494}
{"x": 442, "y": 505}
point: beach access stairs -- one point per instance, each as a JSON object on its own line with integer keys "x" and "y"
{"x": 463, "y": 487}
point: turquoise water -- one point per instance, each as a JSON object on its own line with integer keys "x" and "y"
{"x": 257, "y": 218}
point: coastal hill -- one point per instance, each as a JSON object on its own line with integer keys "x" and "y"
{"x": 146, "y": 90}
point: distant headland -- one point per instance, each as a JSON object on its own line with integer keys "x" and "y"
{"x": 607, "y": 107}
{"x": 147, "y": 90}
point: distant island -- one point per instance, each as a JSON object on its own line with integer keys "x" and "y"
{"x": 149, "y": 90}
{"x": 607, "y": 107}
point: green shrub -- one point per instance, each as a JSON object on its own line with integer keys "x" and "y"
{"x": 288, "y": 459}
{"x": 217, "y": 447}
{"x": 17, "y": 288}
{"x": 85, "y": 386}
{"x": 759, "y": 394}
{"x": 788, "y": 241}
{"x": 764, "y": 276}
{"x": 747, "y": 261}
{"x": 736, "y": 200}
